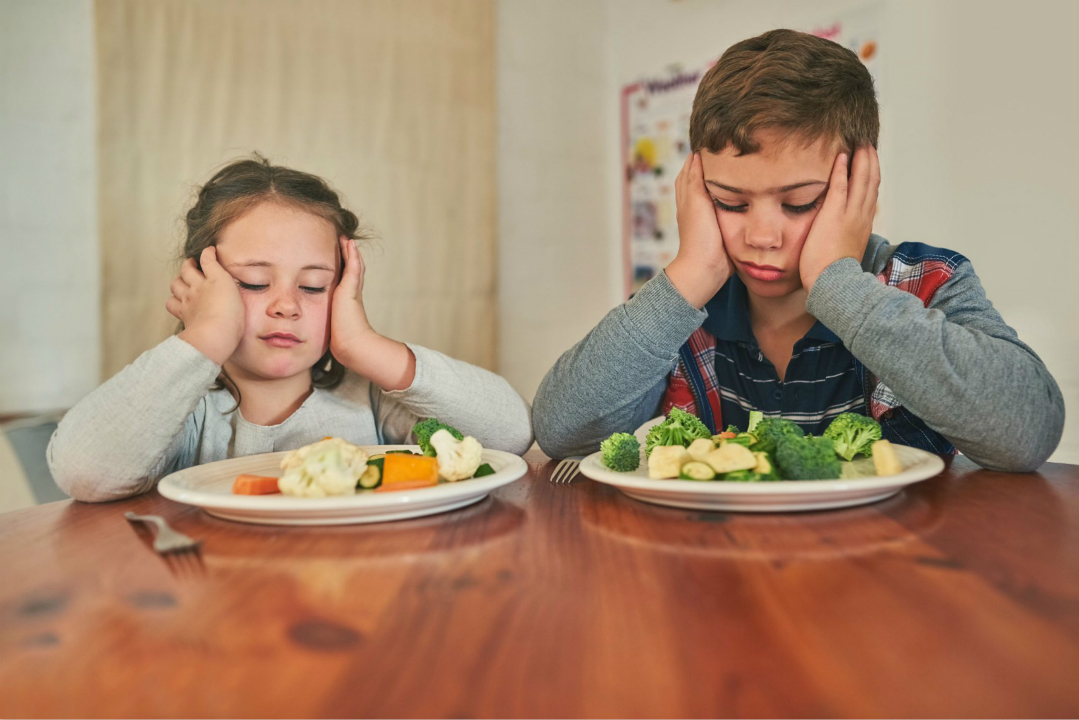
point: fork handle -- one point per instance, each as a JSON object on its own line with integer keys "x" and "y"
{"x": 159, "y": 522}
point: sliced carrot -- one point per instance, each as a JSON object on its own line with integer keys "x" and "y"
{"x": 255, "y": 485}
{"x": 727, "y": 435}
{"x": 398, "y": 467}
{"x": 405, "y": 485}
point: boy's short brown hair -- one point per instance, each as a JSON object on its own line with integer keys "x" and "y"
{"x": 789, "y": 81}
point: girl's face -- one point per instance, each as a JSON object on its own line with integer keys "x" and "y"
{"x": 765, "y": 204}
{"x": 285, "y": 262}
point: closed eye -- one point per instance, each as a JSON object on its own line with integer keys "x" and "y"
{"x": 249, "y": 286}
{"x": 313, "y": 290}
{"x": 799, "y": 209}
{"x": 728, "y": 208}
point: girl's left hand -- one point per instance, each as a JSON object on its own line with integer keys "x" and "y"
{"x": 349, "y": 327}
{"x": 845, "y": 221}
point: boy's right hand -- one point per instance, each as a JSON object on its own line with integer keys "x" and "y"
{"x": 209, "y": 305}
{"x": 702, "y": 265}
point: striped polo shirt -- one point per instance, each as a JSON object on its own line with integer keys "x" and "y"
{"x": 822, "y": 378}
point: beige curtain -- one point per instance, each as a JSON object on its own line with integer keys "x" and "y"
{"x": 392, "y": 101}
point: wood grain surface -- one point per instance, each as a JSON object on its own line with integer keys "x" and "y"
{"x": 958, "y": 597}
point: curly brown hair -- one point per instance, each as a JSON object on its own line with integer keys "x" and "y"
{"x": 803, "y": 85}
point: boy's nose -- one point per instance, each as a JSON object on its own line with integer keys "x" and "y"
{"x": 764, "y": 235}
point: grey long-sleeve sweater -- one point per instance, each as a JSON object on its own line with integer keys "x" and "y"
{"x": 955, "y": 364}
{"x": 158, "y": 415}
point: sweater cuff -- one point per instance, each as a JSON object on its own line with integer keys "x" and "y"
{"x": 842, "y": 296}
{"x": 660, "y": 317}
{"x": 425, "y": 358}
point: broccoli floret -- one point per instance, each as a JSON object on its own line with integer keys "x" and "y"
{"x": 755, "y": 417}
{"x": 621, "y": 452}
{"x": 680, "y": 428}
{"x": 424, "y": 429}
{"x": 769, "y": 431}
{"x": 851, "y": 434}
{"x": 806, "y": 458}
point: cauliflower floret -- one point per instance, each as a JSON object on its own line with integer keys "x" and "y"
{"x": 457, "y": 459}
{"x": 327, "y": 467}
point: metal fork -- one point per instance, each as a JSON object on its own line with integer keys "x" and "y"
{"x": 566, "y": 470}
{"x": 166, "y": 540}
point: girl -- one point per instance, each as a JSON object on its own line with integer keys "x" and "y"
{"x": 275, "y": 351}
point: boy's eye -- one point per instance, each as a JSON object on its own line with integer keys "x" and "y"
{"x": 728, "y": 208}
{"x": 313, "y": 290}
{"x": 249, "y": 286}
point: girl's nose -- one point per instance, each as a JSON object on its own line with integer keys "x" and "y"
{"x": 284, "y": 305}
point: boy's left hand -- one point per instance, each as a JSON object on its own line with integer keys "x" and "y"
{"x": 843, "y": 225}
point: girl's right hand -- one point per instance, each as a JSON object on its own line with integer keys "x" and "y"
{"x": 209, "y": 305}
{"x": 702, "y": 265}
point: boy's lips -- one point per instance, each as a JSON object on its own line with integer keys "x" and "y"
{"x": 281, "y": 339}
{"x": 764, "y": 273}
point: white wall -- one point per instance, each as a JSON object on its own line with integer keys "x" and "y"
{"x": 979, "y": 108}
{"x": 552, "y": 174}
{"x": 49, "y": 267}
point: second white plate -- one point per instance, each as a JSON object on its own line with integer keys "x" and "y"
{"x": 858, "y": 488}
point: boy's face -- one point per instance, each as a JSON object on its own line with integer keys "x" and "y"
{"x": 765, "y": 204}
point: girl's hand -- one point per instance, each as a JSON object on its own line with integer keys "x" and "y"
{"x": 702, "y": 265}
{"x": 842, "y": 227}
{"x": 349, "y": 327}
{"x": 386, "y": 362}
{"x": 209, "y": 305}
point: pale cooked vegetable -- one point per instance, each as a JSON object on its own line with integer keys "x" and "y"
{"x": 666, "y": 461}
{"x": 457, "y": 459}
{"x": 885, "y": 459}
{"x": 695, "y": 470}
{"x": 327, "y": 467}
{"x": 730, "y": 457}
{"x": 699, "y": 449}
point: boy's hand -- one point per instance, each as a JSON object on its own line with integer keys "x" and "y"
{"x": 386, "y": 362}
{"x": 842, "y": 227}
{"x": 209, "y": 305}
{"x": 701, "y": 266}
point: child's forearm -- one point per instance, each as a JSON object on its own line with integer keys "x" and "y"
{"x": 956, "y": 364}
{"x": 119, "y": 439}
{"x": 388, "y": 363}
{"x": 613, "y": 379}
{"x": 473, "y": 400}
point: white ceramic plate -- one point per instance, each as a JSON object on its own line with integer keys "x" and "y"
{"x": 209, "y": 487}
{"x": 859, "y": 485}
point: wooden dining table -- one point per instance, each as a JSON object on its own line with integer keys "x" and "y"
{"x": 957, "y": 597}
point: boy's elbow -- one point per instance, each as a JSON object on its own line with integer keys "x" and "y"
{"x": 1029, "y": 448}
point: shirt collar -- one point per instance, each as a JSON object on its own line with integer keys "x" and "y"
{"x": 728, "y": 316}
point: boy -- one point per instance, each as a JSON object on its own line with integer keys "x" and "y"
{"x": 781, "y": 300}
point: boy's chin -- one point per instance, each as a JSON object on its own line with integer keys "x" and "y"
{"x": 775, "y": 289}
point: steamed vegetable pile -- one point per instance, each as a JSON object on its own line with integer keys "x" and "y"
{"x": 333, "y": 466}
{"x": 769, "y": 449}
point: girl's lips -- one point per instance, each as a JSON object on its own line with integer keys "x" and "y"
{"x": 281, "y": 340}
{"x": 764, "y": 273}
